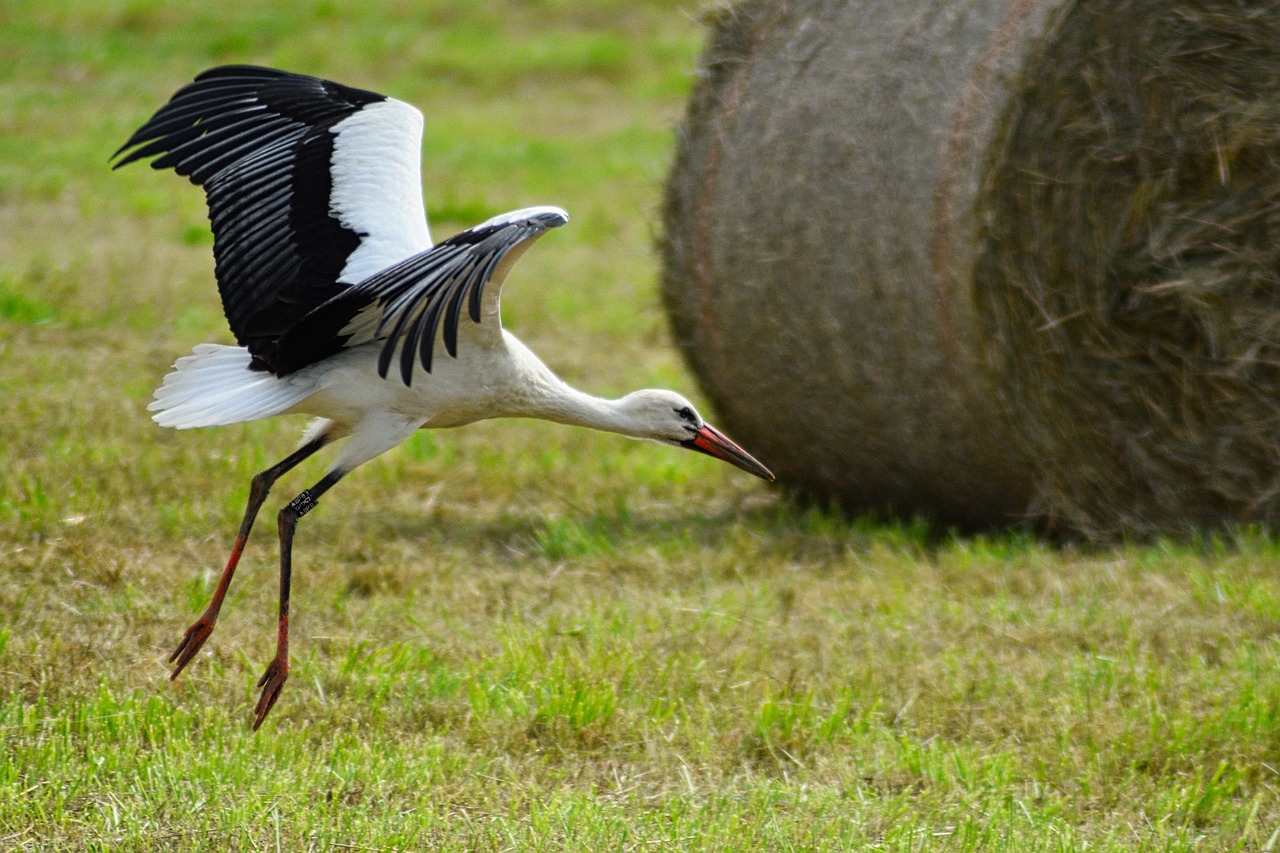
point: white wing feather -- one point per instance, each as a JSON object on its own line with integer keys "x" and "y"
{"x": 377, "y": 186}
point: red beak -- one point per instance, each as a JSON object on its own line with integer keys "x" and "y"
{"x": 713, "y": 442}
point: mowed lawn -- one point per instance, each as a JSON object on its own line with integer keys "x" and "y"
{"x": 518, "y": 636}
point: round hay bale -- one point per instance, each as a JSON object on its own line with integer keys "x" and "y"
{"x": 990, "y": 260}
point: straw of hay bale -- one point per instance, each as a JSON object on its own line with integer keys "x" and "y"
{"x": 991, "y": 259}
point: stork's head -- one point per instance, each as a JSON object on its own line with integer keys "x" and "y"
{"x": 667, "y": 417}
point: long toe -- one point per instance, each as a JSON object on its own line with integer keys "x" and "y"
{"x": 191, "y": 643}
{"x": 271, "y": 682}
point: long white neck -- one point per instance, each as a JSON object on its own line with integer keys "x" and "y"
{"x": 545, "y": 396}
{"x": 562, "y": 403}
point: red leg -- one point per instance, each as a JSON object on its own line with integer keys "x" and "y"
{"x": 200, "y": 630}
{"x": 203, "y": 627}
{"x": 272, "y": 681}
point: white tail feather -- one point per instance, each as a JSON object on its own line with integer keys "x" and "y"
{"x": 215, "y": 387}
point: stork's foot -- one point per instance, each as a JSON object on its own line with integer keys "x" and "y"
{"x": 191, "y": 642}
{"x": 271, "y": 682}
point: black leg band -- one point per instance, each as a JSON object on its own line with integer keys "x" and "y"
{"x": 304, "y": 503}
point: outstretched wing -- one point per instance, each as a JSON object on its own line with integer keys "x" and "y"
{"x": 407, "y": 305}
{"x": 312, "y": 186}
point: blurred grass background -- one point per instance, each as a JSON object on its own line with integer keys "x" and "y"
{"x": 520, "y": 636}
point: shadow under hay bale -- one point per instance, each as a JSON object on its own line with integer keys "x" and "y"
{"x": 990, "y": 260}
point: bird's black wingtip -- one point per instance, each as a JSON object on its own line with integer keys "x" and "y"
{"x": 542, "y": 217}
{"x": 119, "y": 161}
{"x": 551, "y": 217}
{"x": 119, "y": 156}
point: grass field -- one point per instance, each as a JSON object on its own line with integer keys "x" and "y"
{"x": 519, "y": 636}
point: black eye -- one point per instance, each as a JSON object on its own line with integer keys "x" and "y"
{"x": 687, "y": 414}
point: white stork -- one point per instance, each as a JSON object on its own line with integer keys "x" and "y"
{"x": 336, "y": 296}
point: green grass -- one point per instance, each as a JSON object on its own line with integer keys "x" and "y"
{"x": 519, "y": 636}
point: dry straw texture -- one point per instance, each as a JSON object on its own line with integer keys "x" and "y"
{"x": 991, "y": 259}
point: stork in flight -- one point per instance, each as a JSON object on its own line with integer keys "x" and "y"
{"x": 336, "y": 297}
